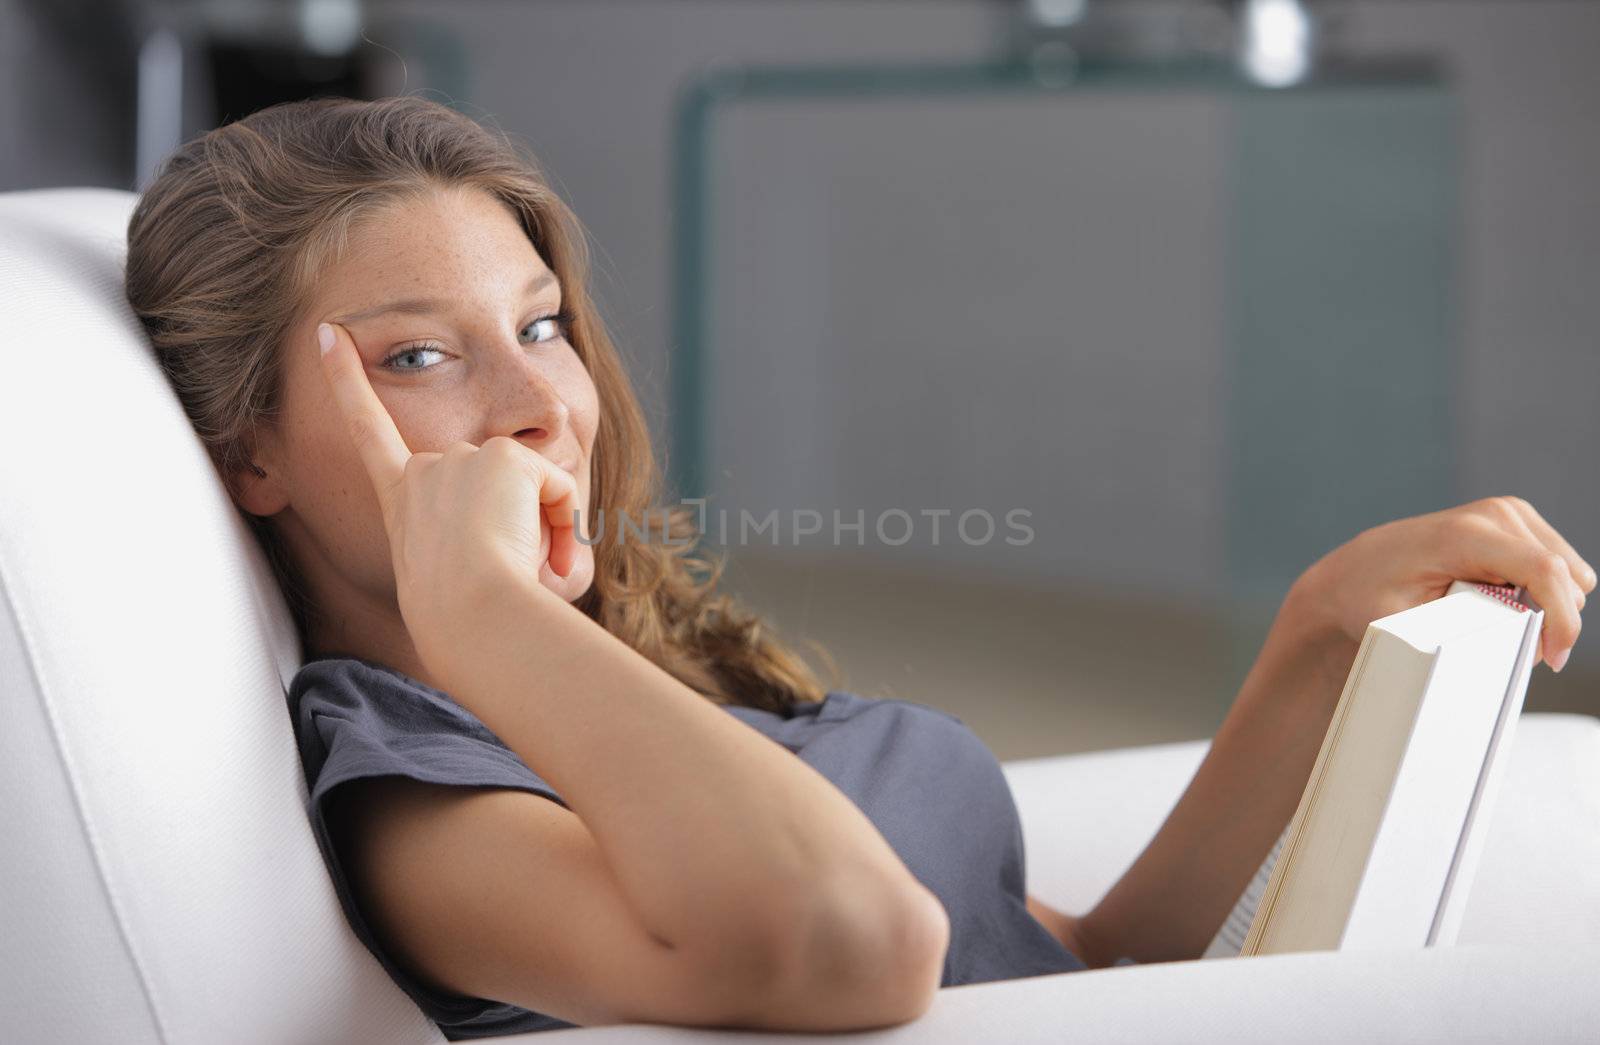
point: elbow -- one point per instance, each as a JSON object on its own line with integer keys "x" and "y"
{"x": 854, "y": 955}
{"x": 918, "y": 939}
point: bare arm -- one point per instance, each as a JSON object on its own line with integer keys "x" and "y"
{"x": 711, "y": 830}
{"x": 702, "y": 873}
{"x": 525, "y": 910}
{"x": 1172, "y": 900}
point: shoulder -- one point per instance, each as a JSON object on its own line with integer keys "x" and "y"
{"x": 375, "y": 696}
{"x": 357, "y": 718}
{"x": 849, "y": 726}
{"x": 843, "y": 705}
{"x": 892, "y": 737}
{"x": 842, "y": 712}
{"x": 355, "y": 681}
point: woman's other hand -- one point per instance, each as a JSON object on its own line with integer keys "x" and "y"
{"x": 456, "y": 521}
{"x": 1497, "y": 540}
{"x": 1170, "y": 903}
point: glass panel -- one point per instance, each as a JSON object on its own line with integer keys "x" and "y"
{"x": 1199, "y": 331}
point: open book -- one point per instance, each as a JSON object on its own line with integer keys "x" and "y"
{"x": 1382, "y": 849}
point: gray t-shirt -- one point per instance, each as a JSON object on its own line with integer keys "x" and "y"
{"x": 928, "y": 784}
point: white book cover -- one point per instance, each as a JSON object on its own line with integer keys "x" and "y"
{"x": 1383, "y": 847}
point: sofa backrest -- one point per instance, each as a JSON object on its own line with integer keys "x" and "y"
{"x": 159, "y": 880}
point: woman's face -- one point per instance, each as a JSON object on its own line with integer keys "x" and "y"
{"x": 457, "y": 319}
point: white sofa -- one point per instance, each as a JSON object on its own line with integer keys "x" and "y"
{"x": 159, "y": 881}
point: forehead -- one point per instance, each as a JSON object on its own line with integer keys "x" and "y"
{"x": 456, "y": 242}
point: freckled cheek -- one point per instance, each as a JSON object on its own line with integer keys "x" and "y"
{"x": 583, "y": 405}
{"x": 341, "y": 495}
{"x": 350, "y": 499}
{"x": 332, "y": 492}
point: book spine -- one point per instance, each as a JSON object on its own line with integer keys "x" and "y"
{"x": 1505, "y": 593}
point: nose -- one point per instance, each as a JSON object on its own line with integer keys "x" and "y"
{"x": 543, "y": 415}
{"x": 527, "y": 405}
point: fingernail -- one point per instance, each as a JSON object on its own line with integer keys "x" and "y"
{"x": 325, "y": 337}
{"x": 1559, "y": 661}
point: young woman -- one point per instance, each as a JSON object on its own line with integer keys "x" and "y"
{"x": 561, "y": 782}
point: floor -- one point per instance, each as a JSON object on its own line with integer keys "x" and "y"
{"x": 1033, "y": 672}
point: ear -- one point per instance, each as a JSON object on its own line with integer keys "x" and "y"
{"x": 258, "y": 487}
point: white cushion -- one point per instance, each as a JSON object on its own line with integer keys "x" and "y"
{"x": 158, "y": 877}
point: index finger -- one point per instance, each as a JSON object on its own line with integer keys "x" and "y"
{"x": 371, "y": 428}
{"x": 559, "y": 496}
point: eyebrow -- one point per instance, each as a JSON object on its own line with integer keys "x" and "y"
{"x": 432, "y": 306}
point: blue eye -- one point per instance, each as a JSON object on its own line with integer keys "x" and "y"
{"x": 550, "y": 327}
{"x": 410, "y": 350}
{"x": 545, "y": 328}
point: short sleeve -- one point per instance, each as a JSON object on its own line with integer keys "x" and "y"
{"x": 355, "y": 719}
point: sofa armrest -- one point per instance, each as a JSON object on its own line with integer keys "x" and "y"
{"x": 1455, "y": 994}
{"x": 1523, "y": 971}
{"x": 1086, "y": 817}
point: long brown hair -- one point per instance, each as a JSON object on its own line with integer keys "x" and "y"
{"x": 223, "y": 248}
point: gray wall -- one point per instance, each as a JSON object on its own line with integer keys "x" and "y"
{"x": 978, "y": 304}
{"x": 1530, "y": 258}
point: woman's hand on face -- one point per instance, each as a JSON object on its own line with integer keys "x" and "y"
{"x": 456, "y": 521}
{"x": 1498, "y": 540}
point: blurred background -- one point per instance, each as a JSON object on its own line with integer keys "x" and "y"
{"x": 1201, "y": 289}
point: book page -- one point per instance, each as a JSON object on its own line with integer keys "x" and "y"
{"x": 1294, "y": 832}
{"x": 1324, "y": 869}
{"x": 1229, "y": 940}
